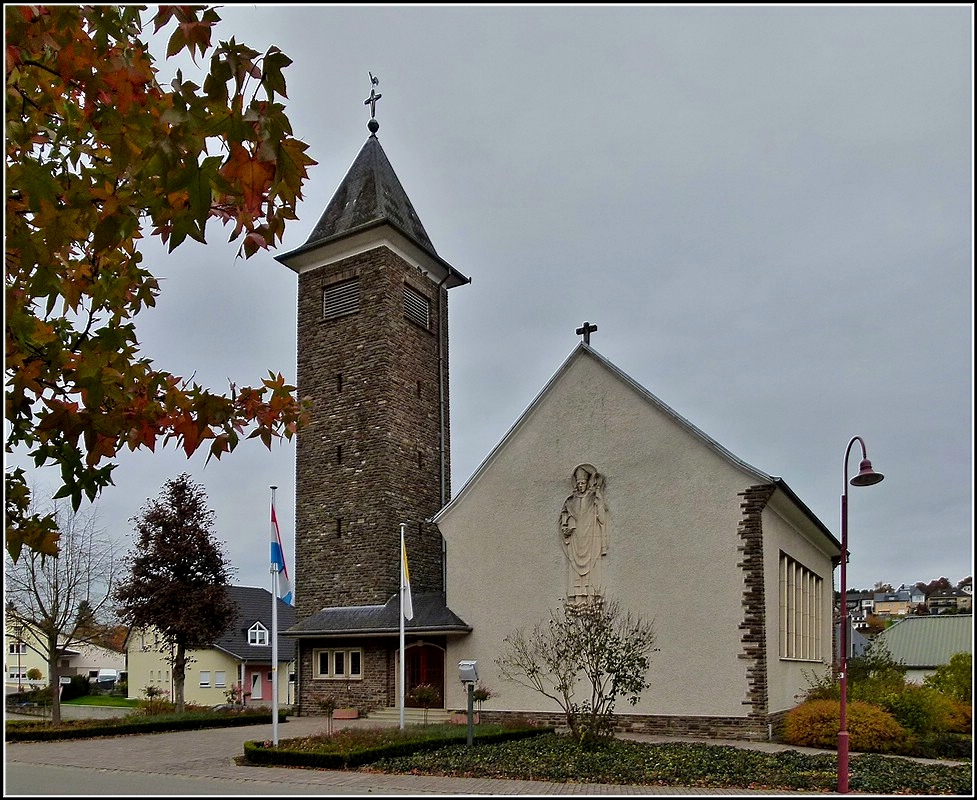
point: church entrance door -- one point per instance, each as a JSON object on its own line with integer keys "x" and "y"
{"x": 424, "y": 664}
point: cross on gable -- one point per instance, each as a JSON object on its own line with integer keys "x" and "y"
{"x": 586, "y": 330}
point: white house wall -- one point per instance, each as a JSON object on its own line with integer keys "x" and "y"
{"x": 85, "y": 659}
{"x": 673, "y": 542}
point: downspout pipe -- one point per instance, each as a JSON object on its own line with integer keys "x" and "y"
{"x": 443, "y": 443}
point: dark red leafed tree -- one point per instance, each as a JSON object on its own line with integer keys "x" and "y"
{"x": 176, "y": 587}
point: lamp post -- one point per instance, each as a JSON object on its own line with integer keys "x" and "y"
{"x": 866, "y": 477}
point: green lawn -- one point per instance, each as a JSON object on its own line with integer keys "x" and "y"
{"x": 101, "y": 700}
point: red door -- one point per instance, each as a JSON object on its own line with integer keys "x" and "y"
{"x": 425, "y": 664}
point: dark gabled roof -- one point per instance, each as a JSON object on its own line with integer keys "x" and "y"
{"x": 370, "y": 192}
{"x": 254, "y": 605}
{"x": 431, "y": 615}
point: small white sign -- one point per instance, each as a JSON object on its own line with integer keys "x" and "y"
{"x": 64, "y": 680}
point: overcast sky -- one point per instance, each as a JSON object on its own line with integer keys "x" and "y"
{"x": 767, "y": 212}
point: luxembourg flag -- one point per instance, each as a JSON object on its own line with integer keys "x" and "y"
{"x": 405, "y": 600}
{"x": 278, "y": 559}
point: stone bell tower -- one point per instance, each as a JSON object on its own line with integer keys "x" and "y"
{"x": 372, "y": 340}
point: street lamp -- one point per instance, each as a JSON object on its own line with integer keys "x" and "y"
{"x": 866, "y": 477}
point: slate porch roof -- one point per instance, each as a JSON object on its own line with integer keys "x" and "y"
{"x": 431, "y": 615}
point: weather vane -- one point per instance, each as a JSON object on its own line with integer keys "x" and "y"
{"x": 371, "y": 101}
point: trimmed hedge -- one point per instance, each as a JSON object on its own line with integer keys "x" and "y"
{"x": 262, "y": 753}
{"x": 120, "y": 726}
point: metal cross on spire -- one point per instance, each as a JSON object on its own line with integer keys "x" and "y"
{"x": 371, "y": 101}
{"x": 586, "y": 330}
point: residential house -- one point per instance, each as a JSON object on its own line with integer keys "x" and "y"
{"x": 860, "y": 605}
{"x": 893, "y": 604}
{"x": 239, "y": 662}
{"x": 950, "y": 600}
{"x": 924, "y": 643}
{"x": 25, "y": 649}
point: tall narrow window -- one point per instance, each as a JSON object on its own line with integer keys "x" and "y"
{"x": 339, "y": 527}
{"x": 339, "y": 382}
{"x": 417, "y": 307}
{"x": 801, "y": 617}
{"x": 339, "y": 454}
{"x": 341, "y": 299}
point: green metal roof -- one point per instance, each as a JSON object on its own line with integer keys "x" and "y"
{"x": 927, "y": 642}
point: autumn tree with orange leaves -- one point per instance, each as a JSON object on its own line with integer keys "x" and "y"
{"x": 98, "y": 154}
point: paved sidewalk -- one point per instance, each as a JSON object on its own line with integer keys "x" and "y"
{"x": 201, "y": 762}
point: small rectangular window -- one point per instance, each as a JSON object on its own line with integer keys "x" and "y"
{"x": 341, "y": 299}
{"x": 337, "y": 664}
{"x": 417, "y": 307}
{"x": 220, "y": 679}
{"x": 205, "y": 679}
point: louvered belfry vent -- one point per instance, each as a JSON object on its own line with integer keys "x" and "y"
{"x": 341, "y": 299}
{"x": 417, "y": 307}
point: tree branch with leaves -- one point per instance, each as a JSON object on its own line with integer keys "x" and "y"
{"x": 99, "y": 154}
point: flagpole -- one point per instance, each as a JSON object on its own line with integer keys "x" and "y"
{"x": 274, "y": 641}
{"x": 402, "y": 584}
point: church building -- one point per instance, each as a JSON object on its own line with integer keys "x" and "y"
{"x": 598, "y": 489}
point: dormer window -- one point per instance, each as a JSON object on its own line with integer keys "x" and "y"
{"x": 258, "y": 634}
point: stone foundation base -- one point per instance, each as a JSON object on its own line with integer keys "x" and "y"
{"x": 739, "y": 728}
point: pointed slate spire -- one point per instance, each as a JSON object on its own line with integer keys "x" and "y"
{"x": 370, "y": 193}
{"x": 371, "y": 207}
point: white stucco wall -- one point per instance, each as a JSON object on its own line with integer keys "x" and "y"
{"x": 673, "y": 550}
{"x": 787, "y": 531}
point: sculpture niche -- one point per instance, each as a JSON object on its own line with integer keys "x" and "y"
{"x": 585, "y": 525}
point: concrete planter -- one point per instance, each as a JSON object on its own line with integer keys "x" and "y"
{"x": 345, "y": 713}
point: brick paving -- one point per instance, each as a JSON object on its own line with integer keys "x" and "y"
{"x": 169, "y": 763}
